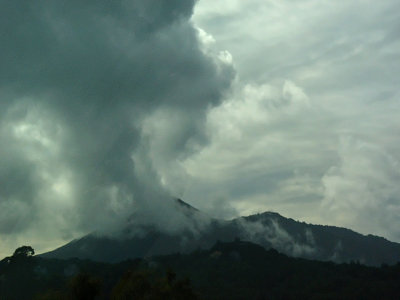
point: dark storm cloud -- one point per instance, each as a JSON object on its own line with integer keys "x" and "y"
{"x": 81, "y": 84}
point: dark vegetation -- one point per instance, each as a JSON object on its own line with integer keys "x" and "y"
{"x": 233, "y": 270}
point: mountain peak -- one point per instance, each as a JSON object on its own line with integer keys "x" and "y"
{"x": 182, "y": 204}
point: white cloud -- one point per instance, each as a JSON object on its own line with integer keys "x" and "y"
{"x": 363, "y": 190}
{"x": 260, "y": 147}
{"x": 279, "y": 238}
{"x": 274, "y": 144}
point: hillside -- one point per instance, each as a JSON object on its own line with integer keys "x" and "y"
{"x": 270, "y": 230}
{"x": 233, "y": 270}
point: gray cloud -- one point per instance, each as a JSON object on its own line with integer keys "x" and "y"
{"x": 277, "y": 147}
{"x": 261, "y": 155}
{"x": 362, "y": 190}
{"x": 83, "y": 88}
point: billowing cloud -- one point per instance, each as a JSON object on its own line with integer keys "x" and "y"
{"x": 261, "y": 154}
{"x": 96, "y": 99}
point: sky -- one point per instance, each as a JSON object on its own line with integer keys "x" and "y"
{"x": 109, "y": 109}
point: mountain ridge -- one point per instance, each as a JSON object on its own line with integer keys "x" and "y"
{"x": 267, "y": 229}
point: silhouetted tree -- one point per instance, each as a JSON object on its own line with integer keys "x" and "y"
{"x": 24, "y": 251}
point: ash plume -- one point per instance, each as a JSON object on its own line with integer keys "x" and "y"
{"x": 99, "y": 100}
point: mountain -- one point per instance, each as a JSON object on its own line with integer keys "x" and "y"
{"x": 326, "y": 243}
{"x": 269, "y": 230}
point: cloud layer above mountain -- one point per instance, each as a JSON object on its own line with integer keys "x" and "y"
{"x": 311, "y": 129}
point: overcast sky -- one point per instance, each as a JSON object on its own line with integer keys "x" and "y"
{"x": 312, "y": 128}
{"x": 109, "y": 108}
